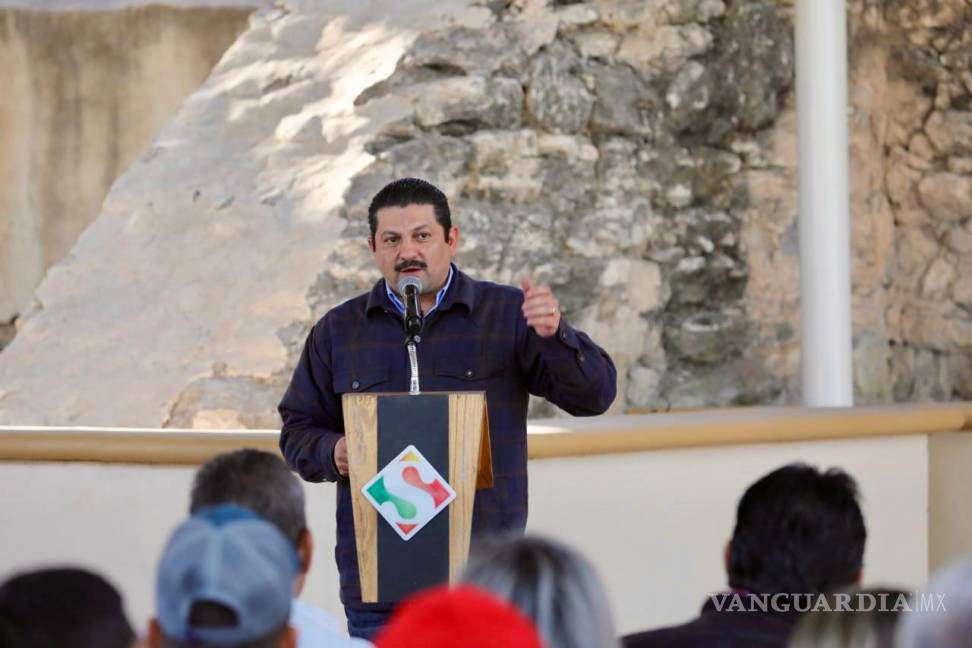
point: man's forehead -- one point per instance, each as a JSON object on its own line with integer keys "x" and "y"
{"x": 408, "y": 218}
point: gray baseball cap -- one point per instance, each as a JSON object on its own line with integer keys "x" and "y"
{"x": 229, "y": 556}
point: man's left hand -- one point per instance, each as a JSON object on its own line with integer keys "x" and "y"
{"x": 540, "y": 308}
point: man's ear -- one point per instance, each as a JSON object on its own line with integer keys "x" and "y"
{"x": 371, "y": 243}
{"x": 289, "y": 638}
{"x": 453, "y": 239}
{"x": 154, "y": 634}
{"x": 727, "y": 555}
{"x": 305, "y": 550}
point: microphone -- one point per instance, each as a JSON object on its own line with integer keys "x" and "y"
{"x": 410, "y": 288}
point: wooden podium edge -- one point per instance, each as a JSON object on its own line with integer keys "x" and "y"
{"x": 361, "y": 430}
{"x": 468, "y": 439}
{"x": 484, "y": 475}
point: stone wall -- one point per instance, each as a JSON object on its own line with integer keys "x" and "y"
{"x": 81, "y": 95}
{"x": 603, "y": 148}
{"x": 639, "y": 155}
{"x": 909, "y": 93}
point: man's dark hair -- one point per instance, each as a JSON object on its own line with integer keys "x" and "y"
{"x": 254, "y": 479}
{"x": 410, "y": 191}
{"x": 798, "y": 531}
{"x": 209, "y": 614}
{"x": 62, "y": 607}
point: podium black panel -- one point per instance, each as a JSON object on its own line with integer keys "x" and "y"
{"x": 423, "y": 561}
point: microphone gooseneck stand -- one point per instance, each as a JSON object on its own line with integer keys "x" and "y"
{"x": 411, "y": 288}
{"x": 413, "y": 383}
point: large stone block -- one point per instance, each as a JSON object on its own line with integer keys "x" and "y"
{"x": 947, "y": 196}
{"x": 754, "y": 63}
{"x": 950, "y": 131}
{"x": 709, "y": 336}
{"x": 625, "y": 105}
{"x": 557, "y": 98}
{"x": 469, "y": 51}
{"x": 465, "y": 104}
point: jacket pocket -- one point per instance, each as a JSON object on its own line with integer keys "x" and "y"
{"x": 468, "y": 369}
{"x": 360, "y": 380}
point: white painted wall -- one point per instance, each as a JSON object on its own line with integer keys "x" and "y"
{"x": 950, "y": 525}
{"x": 654, "y": 523}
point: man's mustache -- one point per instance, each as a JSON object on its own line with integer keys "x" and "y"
{"x": 408, "y": 265}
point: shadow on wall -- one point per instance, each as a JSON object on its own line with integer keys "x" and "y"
{"x": 81, "y": 95}
{"x": 7, "y": 332}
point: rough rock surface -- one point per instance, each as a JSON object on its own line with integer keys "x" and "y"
{"x": 82, "y": 94}
{"x": 639, "y": 156}
{"x": 183, "y": 302}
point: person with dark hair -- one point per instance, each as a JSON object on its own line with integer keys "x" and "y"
{"x": 477, "y": 336}
{"x": 410, "y": 191}
{"x": 556, "y": 587}
{"x": 225, "y": 578}
{"x": 62, "y": 607}
{"x": 262, "y": 483}
{"x": 799, "y": 533}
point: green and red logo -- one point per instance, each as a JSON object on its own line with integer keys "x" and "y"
{"x": 408, "y": 492}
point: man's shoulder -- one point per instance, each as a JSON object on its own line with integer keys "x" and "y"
{"x": 492, "y": 292}
{"x": 731, "y": 629}
{"x": 667, "y": 637}
{"x": 349, "y": 310}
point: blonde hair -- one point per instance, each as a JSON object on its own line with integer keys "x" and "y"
{"x": 556, "y": 587}
{"x": 849, "y": 628}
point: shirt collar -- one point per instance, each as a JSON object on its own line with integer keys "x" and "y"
{"x": 458, "y": 289}
{"x": 400, "y": 307}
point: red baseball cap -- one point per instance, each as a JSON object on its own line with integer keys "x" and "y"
{"x": 445, "y": 617}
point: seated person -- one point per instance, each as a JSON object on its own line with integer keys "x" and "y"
{"x": 261, "y": 482}
{"x": 226, "y": 578}
{"x": 62, "y": 607}
{"x": 798, "y": 531}
{"x": 941, "y": 615}
{"x": 552, "y": 584}
{"x": 464, "y": 616}
{"x": 867, "y": 619}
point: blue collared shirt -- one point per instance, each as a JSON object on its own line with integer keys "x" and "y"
{"x": 476, "y": 340}
{"x": 397, "y": 303}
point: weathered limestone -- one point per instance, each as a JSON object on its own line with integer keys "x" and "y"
{"x": 83, "y": 94}
{"x": 186, "y": 298}
{"x": 640, "y": 156}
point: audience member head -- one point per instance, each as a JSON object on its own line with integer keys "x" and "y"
{"x": 226, "y": 578}
{"x": 261, "y": 482}
{"x": 798, "y": 530}
{"x": 553, "y": 585}
{"x": 62, "y": 607}
{"x": 464, "y": 616}
{"x": 945, "y": 618}
{"x": 866, "y": 624}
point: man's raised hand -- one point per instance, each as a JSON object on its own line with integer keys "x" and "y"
{"x": 540, "y": 308}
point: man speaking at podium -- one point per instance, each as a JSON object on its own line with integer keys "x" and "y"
{"x": 476, "y": 336}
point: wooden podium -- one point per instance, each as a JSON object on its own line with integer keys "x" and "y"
{"x": 451, "y": 431}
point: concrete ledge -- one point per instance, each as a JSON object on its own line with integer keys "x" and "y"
{"x": 727, "y": 427}
{"x": 548, "y": 438}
